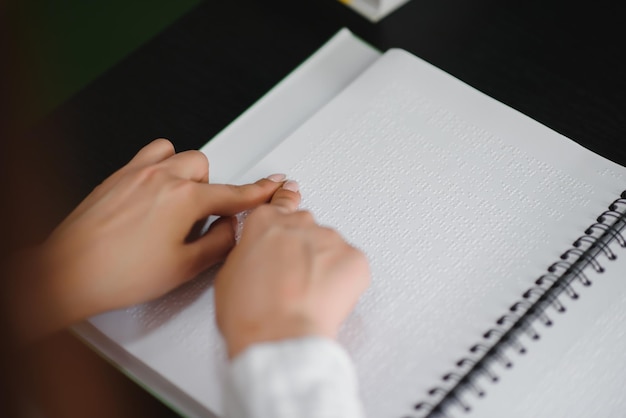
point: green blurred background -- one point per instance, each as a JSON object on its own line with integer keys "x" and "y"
{"x": 63, "y": 45}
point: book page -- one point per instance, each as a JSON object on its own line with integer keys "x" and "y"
{"x": 459, "y": 202}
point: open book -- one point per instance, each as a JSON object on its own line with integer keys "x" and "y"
{"x": 495, "y": 245}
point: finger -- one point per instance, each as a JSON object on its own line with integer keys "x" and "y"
{"x": 155, "y": 152}
{"x": 228, "y": 200}
{"x": 189, "y": 165}
{"x": 212, "y": 247}
{"x": 288, "y": 197}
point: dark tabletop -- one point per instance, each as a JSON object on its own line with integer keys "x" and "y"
{"x": 557, "y": 62}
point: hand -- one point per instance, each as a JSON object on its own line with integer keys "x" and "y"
{"x": 288, "y": 277}
{"x": 128, "y": 241}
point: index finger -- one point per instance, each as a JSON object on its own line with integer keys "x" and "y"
{"x": 228, "y": 199}
{"x": 288, "y": 197}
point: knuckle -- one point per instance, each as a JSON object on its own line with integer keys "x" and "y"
{"x": 196, "y": 159}
{"x": 159, "y": 147}
{"x": 361, "y": 261}
{"x": 359, "y": 256}
{"x": 356, "y": 256}
{"x": 164, "y": 143}
{"x": 148, "y": 173}
{"x": 330, "y": 234}
{"x": 199, "y": 155}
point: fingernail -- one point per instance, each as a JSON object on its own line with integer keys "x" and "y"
{"x": 291, "y": 185}
{"x": 277, "y": 177}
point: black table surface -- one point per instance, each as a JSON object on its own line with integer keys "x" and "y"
{"x": 557, "y": 62}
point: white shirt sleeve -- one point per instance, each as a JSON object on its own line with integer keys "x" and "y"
{"x": 309, "y": 377}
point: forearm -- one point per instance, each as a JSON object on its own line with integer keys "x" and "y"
{"x": 307, "y": 377}
{"x": 40, "y": 299}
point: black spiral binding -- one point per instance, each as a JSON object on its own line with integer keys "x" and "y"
{"x": 556, "y": 283}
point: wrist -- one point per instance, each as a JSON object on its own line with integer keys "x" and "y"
{"x": 246, "y": 335}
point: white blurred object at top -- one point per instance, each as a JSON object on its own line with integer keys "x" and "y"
{"x": 374, "y": 10}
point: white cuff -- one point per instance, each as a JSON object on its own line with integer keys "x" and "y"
{"x": 309, "y": 377}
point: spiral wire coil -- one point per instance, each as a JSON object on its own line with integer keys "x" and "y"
{"x": 547, "y": 291}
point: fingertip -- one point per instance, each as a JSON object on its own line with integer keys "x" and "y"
{"x": 287, "y": 197}
{"x": 267, "y": 186}
{"x": 271, "y": 182}
{"x": 277, "y": 178}
{"x": 292, "y": 186}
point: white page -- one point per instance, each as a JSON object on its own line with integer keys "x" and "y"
{"x": 459, "y": 201}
